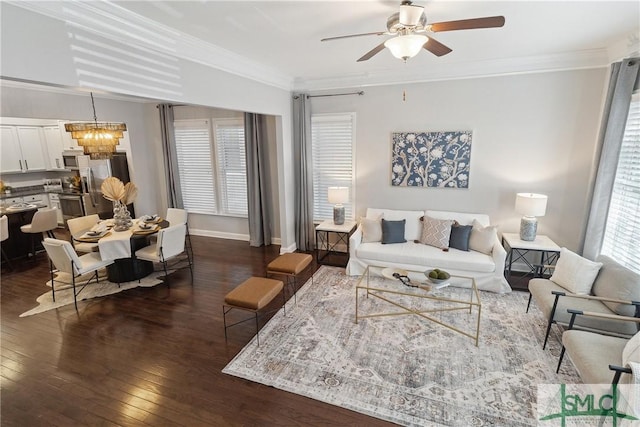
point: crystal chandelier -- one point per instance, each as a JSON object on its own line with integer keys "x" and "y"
{"x": 97, "y": 139}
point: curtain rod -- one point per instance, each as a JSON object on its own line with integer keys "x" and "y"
{"x": 332, "y": 94}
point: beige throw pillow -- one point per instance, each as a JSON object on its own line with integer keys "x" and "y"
{"x": 575, "y": 273}
{"x": 371, "y": 229}
{"x": 436, "y": 232}
{"x": 482, "y": 238}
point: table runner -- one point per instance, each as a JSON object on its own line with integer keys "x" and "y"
{"x": 115, "y": 246}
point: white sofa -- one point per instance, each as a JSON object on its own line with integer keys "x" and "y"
{"x": 488, "y": 270}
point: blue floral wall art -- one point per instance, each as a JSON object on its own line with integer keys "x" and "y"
{"x": 431, "y": 159}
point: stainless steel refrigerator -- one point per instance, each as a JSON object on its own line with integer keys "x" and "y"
{"x": 94, "y": 172}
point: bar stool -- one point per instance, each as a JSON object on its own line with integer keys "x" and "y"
{"x": 44, "y": 221}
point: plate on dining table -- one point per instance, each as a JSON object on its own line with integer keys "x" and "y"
{"x": 95, "y": 233}
{"x": 152, "y": 219}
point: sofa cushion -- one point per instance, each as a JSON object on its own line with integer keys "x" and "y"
{"x": 575, "y": 273}
{"x": 371, "y": 229}
{"x": 482, "y": 238}
{"x": 541, "y": 291}
{"x": 413, "y": 226}
{"x": 428, "y": 256}
{"x": 459, "y": 238}
{"x": 393, "y": 231}
{"x": 592, "y": 354}
{"x": 617, "y": 282}
{"x": 436, "y": 232}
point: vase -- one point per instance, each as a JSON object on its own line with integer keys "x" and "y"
{"x": 121, "y": 217}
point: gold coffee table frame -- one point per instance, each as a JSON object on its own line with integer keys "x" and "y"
{"x": 422, "y": 291}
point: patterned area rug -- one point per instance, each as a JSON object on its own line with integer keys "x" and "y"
{"x": 64, "y": 291}
{"x": 406, "y": 369}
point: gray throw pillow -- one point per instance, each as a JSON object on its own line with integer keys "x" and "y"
{"x": 393, "y": 231}
{"x": 436, "y": 232}
{"x": 460, "y": 236}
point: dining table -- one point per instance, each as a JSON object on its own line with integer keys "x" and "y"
{"x": 121, "y": 246}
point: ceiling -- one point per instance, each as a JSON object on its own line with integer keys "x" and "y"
{"x": 286, "y": 36}
{"x": 279, "y": 42}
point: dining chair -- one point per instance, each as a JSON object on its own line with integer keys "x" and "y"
{"x": 64, "y": 258}
{"x": 79, "y": 226}
{"x": 43, "y": 221}
{"x": 177, "y": 216}
{"x": 169, "y": 245}
{"x": 4, "y": 235}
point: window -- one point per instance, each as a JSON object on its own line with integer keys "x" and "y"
{"x": 212, "y": 166}
{"x": 232, "y": 166}
{"x": 622, "y": 233}
{"x": 332, "y": 137}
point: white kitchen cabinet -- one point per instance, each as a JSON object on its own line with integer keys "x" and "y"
{"x": 30, "y": 138}
{"x": 54, "y": 146}
{"x": 12, "y": 201}
{"x": 10, "y": 154}
{"x": 40, "y": 200}
{"x": 21, "y": 149}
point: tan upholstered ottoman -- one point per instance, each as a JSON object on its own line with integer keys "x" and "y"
{"x": 290, "y": 265}
{"x": 252, "y": 295}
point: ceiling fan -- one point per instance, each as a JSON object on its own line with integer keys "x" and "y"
{"x": 409, "y": 27}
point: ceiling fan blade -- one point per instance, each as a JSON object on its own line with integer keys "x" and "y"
{"x": 435, "y": 47}
{"x": 468, "y": 24}
{"x": 372, "y": 52}
{"x": 378, "y": 33}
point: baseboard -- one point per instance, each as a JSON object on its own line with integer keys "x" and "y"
{"x": 230, "y": 236}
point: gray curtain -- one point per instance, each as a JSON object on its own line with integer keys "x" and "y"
{"x": 303, "y": 173}
{"x": 174, "y": 196}
{"x": 622, "y": 81}
{"x": 256, "y": 142}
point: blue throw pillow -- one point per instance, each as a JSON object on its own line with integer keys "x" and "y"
{"x": 393, "y": 231}
{"x": 459, "y": 238}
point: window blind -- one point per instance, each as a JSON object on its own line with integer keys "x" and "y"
{"x": 194, "y": 154}
{"x": 332, "y": 137}
{"x": 232, "y": 167}
{"x": 622, "y": 233}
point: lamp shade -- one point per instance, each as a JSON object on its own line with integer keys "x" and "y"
{"x": 531, "y": 204}
{"x": 403, "y": 47}
{"x": 337, "y": 195}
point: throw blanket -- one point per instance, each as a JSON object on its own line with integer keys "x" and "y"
{"x": 634, "y": 388}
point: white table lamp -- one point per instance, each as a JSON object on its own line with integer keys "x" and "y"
{"x": 530, "y": 205}
{"x": 337, "y": 196}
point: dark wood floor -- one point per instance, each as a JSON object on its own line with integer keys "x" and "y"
{"x": 146, "y": 356}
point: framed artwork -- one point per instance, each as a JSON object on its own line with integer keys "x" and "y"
{"x": 431, "y": 159}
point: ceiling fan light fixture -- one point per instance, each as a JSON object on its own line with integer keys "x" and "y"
{"x": 405, "y": 47}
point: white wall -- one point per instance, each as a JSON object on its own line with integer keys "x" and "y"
{"x": 38, "y": 48}
{"x": 531, "y": 133}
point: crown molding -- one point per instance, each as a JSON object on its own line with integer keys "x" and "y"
{"x": 121, "y": 25}
{"x": 596, "y": 58}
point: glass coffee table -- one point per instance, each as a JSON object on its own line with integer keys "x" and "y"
{"x": 457, "y": 307}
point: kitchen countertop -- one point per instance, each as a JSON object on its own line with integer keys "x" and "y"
{"x": 5, "y": 211}
{"x": 33, "y": 191}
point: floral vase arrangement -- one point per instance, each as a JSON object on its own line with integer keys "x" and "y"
{"x": 121, "y": 195}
